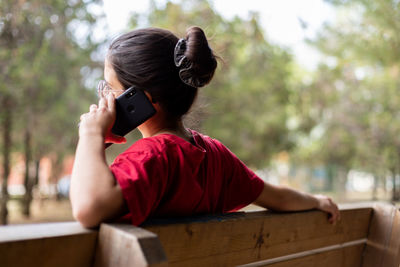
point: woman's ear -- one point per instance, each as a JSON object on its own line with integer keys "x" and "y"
{"x": 152, "y": 100}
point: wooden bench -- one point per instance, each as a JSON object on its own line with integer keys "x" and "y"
{"x": 368, "y": 235}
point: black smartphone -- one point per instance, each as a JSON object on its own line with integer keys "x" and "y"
{"x": 133, "y": 108}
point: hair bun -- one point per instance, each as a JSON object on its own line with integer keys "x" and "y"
{"x": 200, "y": 55}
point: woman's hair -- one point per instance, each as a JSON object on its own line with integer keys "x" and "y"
{"x": 148, "y": 58}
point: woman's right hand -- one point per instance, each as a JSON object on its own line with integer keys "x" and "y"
{"x": 100, "y": 119}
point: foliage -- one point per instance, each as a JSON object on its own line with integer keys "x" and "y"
{"x": 41, "y": 87}
{"x": 359, "y": 111}
{"x": 41, "y": 69}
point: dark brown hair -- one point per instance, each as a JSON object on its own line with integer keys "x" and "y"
{"x": 145, "y": 58}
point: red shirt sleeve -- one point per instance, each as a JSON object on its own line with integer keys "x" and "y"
{"x": 138, "y": 174}
{"x": 241, "y": 186}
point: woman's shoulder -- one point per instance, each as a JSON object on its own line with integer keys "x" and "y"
{"x": 164, "y": 144}
{"x": 148, "y": 145}
{"x": 158, "y": 144}
{"x": 209, "y": 143}
{"x": 143, "y": 150}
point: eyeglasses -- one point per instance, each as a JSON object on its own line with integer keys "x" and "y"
{"x": 103, "y": 89}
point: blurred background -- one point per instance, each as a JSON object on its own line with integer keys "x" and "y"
{"x": 307, "y": 93}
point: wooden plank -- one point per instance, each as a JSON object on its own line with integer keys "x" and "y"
{"x": 383, "y": 246}
{"x": 393, "y": 250}
{"x": 349, "y": 257}
{"x": 47, "y": 245}
{"x": 256, "y": 236}
{"x": 310, "y": 253}
{"x": 122, "y": 245}
{"x": 38, "y": 231}
{"x": 346, "y": 257}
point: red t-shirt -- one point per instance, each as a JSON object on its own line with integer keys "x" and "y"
{"x": 165, "y": 175}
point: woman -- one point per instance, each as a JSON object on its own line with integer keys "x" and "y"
{"x": 171, "y": 171}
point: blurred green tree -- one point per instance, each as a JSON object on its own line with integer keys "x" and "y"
{"x": 44, "y": 58}
{"x": 359, "y": 113}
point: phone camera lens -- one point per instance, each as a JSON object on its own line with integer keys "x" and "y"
{"x": 131, "y": 93}
{"x": 130, "y": 109}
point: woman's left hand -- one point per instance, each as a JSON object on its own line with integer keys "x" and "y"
{"x": 326, "y": 204}
{"x": 100, "y": 119}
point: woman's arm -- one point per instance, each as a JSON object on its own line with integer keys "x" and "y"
{"x": 95, "y": 195}
{"x": 280, "y": 198}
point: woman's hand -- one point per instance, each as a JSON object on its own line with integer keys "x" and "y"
{"x": 100, "y": 119}
{"x": 94, "y": 193}
{"x": 327, "y": 205}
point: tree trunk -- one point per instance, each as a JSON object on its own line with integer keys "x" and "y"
{"x": 384, "y": 184}
{"x": 37, "y": 168}
{"x": 342, "y": 173}
{"x": 375, "y": 188}
{"x": 331, "y": 173}
{"x": 28, "y": 181}
{"x": 395, "y": 195}
{"x": 56, "y": 171}
{"x": 7, "y": 123}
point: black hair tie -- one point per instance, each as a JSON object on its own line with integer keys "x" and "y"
{"x": 185, "y": 65}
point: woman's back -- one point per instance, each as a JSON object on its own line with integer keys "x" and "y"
{"x": 165, "y": 175}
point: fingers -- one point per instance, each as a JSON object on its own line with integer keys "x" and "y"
{"x": 111, "y": 102}
{"x": 335, "y": 210}
{"x": 92, "y": 108}
{"x": 333, "y": 217}
{"x": 326, "y": 204}
{"x": 334, "y": 213}
{"x": 102, "y": 103}
{"x": 101, "y": 118}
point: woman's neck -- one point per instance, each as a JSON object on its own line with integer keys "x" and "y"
{"x": 156, "y": 125}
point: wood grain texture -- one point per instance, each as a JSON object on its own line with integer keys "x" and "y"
{"x": 217, "y": 240}
{"x": 393, "y": 250}
{"x": 122, "y": 245}
{"x": 383, "y": 246}
{"x": 47, "y": 245}
{"x": 256, "y": 236}
{"x": 346, "y": 257}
